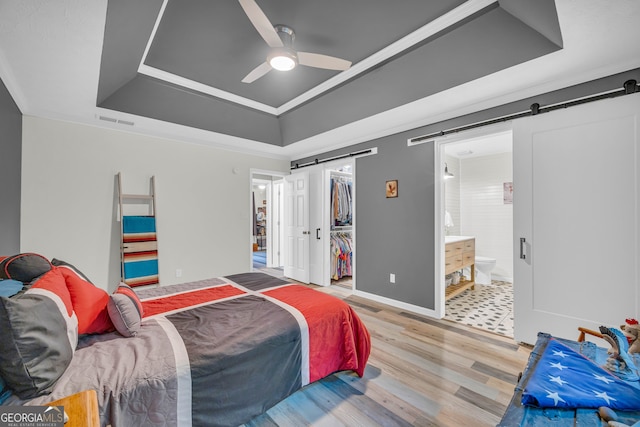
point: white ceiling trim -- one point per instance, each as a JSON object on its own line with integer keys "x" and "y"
{"x": 153, "y": 33}
{"x": 434, "y": 27}
{"x": 208, "y": 90}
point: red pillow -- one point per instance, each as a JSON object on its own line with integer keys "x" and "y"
{"x": 54, "y": 282}
{"x": 89, "y": 303}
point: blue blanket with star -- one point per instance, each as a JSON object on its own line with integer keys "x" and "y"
{"x": 563, "y": 378}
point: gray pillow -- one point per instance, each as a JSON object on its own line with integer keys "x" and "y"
{"x": 38, "y": 336}
{"x": 125, "y": 310}
{"x": 24, "y": 267}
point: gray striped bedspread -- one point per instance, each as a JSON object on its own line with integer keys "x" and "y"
{"x": 216, "y": 352}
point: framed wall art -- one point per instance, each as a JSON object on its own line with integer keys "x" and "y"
{"x": 392, "y": 188}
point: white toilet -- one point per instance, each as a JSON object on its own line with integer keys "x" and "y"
{"x": 484, "y": 266}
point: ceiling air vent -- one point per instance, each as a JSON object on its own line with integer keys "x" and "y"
{"x": 108, "y": 119}
{"x": 114, "y": 120}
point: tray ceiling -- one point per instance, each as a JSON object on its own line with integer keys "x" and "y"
{"x": 173, "y": 69}
{"x": 185, "y": 59}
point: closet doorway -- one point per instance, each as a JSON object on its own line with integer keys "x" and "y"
{"x": 266, "y": 218}
{"x": 332, "y": 223}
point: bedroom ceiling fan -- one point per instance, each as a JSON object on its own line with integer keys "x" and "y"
{"x": 282, "y": 55}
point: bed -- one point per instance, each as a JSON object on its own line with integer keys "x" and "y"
{"x": 213, "y": 352}
{"x": 527, "y": 410}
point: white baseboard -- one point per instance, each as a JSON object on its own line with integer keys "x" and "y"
{"x": 398, "y": 304}
{"x": 502, "y": 278}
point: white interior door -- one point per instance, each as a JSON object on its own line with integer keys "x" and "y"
{"x": 274, "y": 255}
{"x": 296, "y": 217}
{"x": 576, "y": 199}
{"x": 317, "y": 256}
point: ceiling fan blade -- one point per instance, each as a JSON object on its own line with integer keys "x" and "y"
{"x": 323, "y": 61}
{"x": 261, "y": 22}
{"x": 257, "y": 72}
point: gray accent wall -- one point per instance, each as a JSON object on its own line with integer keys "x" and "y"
{"x": 397, "y": 235}
{"x": 10, "y": 172}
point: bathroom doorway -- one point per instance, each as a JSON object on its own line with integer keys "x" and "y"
{"x": 477, "y": 208}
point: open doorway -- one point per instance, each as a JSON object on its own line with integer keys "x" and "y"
{"x": 339, "y": 247}
{"x": 266, "y": 231}
{"x": 478, "y": 222}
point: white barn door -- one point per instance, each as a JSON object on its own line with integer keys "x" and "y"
{"x": 296, "y": 218}
{"x": 576, "y": 218}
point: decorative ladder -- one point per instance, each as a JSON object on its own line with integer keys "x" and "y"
{"x": 138, "y": 239}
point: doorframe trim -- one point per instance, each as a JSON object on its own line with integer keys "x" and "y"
{"x": 252, "y": 172}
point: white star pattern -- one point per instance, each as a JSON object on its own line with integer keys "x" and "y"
{"x": 603, "y": 378}
{"x": 555, "y": 396}
{"x": 558, "y": 366}
{"x": 557, "y": 380}
{"x": 604, "y": 396}
{"x": 563, "y": 379}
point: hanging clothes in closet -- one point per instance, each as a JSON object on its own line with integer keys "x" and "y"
{"x": 341, "y": 255}
{"x": 341, "y": 206}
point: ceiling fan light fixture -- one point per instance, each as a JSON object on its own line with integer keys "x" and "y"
{"x": 283, "y": 60}
{"x": 283, "y": 56}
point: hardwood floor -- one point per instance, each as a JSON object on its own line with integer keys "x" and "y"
{"x": 421, "y": 372}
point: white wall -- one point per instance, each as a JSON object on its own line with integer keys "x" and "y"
{"x": 483, "y": 213}
{"x": 452, "y": 195}
{"x": 474, "y": 198}
{"x": 69, "y": 199}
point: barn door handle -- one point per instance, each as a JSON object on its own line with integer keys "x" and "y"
{"x": 522, "y": 254}
{"x": 317, "y": 234}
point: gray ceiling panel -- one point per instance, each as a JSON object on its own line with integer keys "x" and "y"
{"x": 540, "y": 15}
{"x": 214, "y": 43}
{"x": 128, "y": 27}
{"x": 148, "y": 97}
{"x": 493, "y": 41}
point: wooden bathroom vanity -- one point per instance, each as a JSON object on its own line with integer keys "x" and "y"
{"x": 459, "y": 252}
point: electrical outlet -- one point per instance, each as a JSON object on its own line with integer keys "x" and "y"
{"x": 178, "y": 272}
{"x": 392, "y": 278}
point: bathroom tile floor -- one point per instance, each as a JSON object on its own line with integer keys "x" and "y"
{"x": 488, "y": 307}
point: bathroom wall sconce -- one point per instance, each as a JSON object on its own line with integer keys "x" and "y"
{"x": 447, "y": 174}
